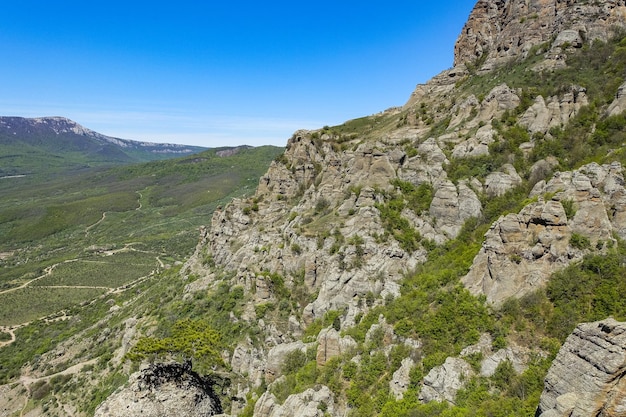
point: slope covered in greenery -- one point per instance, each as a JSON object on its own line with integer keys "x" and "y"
{"x": 70, "y": 238}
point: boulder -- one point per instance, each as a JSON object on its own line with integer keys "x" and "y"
{"x": 163, "y": 390}
{"x": 401, "y": 378}
{"x": 443, "y": 382}
{"x": 587, "y": 376}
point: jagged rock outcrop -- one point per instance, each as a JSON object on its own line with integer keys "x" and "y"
{"x": 162, "y": 390}
{"x": 310, "y": 403}
{"x": 443, "y": 382}
{"x": 555, "y": 111}
{"x": 499, "y": 182}
{"x": 330, "y": 345}
{"x": 587, "y": 376}
{"x": 522, "y": 250}
{"x": 619, "y": 104}
{"x": 401, "y": 379}
{"x": 315, "y": 225}
{"x": 276, "y": 357}
{"x": 501, "y": 30}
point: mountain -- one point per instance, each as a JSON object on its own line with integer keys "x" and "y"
{"x": 434, "y": 259}
{"x": 27, "y": 145}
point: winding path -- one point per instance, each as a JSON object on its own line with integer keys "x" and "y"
{"x": 10, "y": 330}
{"x": 48, "y": 271}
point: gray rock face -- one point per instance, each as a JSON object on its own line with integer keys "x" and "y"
{"x": 276, "y": 357}
{"x": 443, "y": 382}
{"x": 555, "y": 111}
{"x": 498, "y": 183}
{"x": 401, "y": 378}
{"x": 522, "y": 250}
{"x": 310, "y": 403}
{"x": 330, "y": 345}
{"x": 508, "y": 29}
{"x": 163, "y": 390}
{"x": 619, "y": 104}
{"x": 587, "y": 376}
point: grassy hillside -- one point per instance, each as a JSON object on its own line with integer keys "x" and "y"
{"x": 107, "y": 228}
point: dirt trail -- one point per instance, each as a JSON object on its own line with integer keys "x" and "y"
{"x": 27, "y": 380}
{"x": 47, "y": 272}
{"x": 88, "y": 228}
{"x": 9, "y": 330}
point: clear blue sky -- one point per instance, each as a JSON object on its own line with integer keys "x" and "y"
{"x": 219, "y": 73}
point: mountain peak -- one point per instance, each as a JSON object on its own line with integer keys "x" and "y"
{"x": 499, "y": 30}
{"x": 63, "y": 137}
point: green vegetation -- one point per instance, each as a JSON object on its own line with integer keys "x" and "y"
{"x": 31, "y": 303}
{"x": 152, "y": 209}
{"x": 190, "y": 339}
{"x": 416, "y": 198}
{"x": 72, "y": 223}
{"x": 106, "y": 228}
{"x": 108, "y": 271}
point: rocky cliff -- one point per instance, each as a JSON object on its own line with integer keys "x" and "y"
{"x": 522, "y": 250}
{"x": 488, "y": 160}
{"x": 587, "y": 376}
{"x": 499, "y": 30}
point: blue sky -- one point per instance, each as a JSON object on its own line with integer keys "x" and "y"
{"x": 216, "y": 74}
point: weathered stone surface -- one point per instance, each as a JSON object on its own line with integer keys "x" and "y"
{"x": 498, "y": 183}
{"x": 443, "y": 382}
{"x": 555, "y": 111}
{"x": 587, "y": 376}
{"x": 401, "y": 378}
{"x": 507, "y": 29}
{"x": 522, "y": 250}
{"x": 330, "y": 344}
{"x": 619, "y": 104}
{"x": 276, "y": 357}
{"x": 516, "y": 356}
{"x": 249, "y": 360}
{"x": 310, "y": 403}
{"x": 163, "y": 390}
{"x": 452, "y": 206}
{"x": 475, "y": 146}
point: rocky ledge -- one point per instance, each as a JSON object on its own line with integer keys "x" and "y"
{"x": 162, "y": 390}
{"x": 587, "y": 376}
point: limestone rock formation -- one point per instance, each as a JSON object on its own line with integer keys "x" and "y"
{"x": 521, "y": 250}
{"x": 330, "y": 345}
{"x": 163, "y": 390}
{"x": 499, "y": 182}
{"x": 587, "y": 376}
{"x": 443, "y": 382}
{"x": 310, "y": 403}
{"x": 501, "y": 30}
{"x": 554, "y": 111}
{"x": 619, "y": 104}
{"x": 276, "y": 357}
{"x": 401, "y": 378}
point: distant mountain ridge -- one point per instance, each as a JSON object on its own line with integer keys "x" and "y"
{"x": 26, "y": 143}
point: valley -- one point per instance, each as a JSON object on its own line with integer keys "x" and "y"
{"x": 461, "y": 255}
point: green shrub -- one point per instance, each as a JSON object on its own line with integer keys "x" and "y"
{"x": 568, "y": 206}
{"x": 579, "y": 241}
{"x": 194, "y": 339}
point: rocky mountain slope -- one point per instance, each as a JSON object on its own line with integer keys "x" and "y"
{"x": 430, "y": 259}
{"x": 349, "y": 211}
